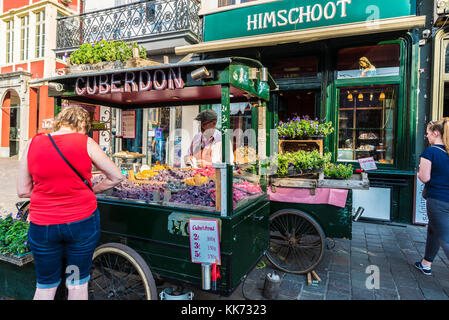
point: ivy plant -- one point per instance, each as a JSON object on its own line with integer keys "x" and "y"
{"x": 105, "y": 51}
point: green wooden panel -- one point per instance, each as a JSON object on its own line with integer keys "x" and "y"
{"x": 148, "y": 230}
{"x": 17, "y": 282}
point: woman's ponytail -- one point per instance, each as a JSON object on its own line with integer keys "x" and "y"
{"x": 446, "y": 134}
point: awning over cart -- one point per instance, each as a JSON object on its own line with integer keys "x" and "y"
{"x": 198, "y": 82}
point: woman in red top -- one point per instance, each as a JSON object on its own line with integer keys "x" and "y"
{"x": 64, "y": 219}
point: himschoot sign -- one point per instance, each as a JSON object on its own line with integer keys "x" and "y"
{"x": 290, "y": 15}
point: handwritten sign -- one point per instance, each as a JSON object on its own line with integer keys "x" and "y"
{"x": 204, "y": 241}
{"x": 367, "y": 164}
{"x": 420, "y": 212}
{"x": 129, "y": 124}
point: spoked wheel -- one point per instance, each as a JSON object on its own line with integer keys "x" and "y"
{"x": 296, "y": 241}
{"x": 120, "y": 273}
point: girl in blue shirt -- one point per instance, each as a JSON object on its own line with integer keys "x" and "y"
{"x": 434, "y": 172}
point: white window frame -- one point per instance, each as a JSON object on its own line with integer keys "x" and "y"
{"x": 40, "y": 34}
{"x": 9, "y": 41}
{"x": 24, "y": 37}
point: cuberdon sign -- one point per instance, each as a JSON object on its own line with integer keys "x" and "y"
{"x": 127, "y": 82}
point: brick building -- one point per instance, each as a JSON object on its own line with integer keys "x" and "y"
{"x": 27, "y": 39}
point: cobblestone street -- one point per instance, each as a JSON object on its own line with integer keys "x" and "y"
{"x": 8, "y": 194}
{"x": 393, "y": 248}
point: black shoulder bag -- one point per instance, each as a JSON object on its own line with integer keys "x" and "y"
{"x": 77, "y": 173}
{"x": 426, "y": 186}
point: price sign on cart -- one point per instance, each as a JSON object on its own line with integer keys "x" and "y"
{"x": 368, "y": 164}
{"x": 204, "y": 241}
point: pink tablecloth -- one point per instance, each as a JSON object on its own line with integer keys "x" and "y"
{"x": 335, "y": 197}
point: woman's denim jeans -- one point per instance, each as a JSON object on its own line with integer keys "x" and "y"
{"x": 437, "y": 229}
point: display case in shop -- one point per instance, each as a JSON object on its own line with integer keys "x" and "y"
{"x": 366, "y": 123}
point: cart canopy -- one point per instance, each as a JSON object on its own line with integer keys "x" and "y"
{"x": 187, "y": 83}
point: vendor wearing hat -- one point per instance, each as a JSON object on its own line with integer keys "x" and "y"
{"x": 205, "y": 148}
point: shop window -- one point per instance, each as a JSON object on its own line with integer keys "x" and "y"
{"x": 366, "y": 123}
{"x": 243, "y": 137}
{"x": 295, "y": 68}
{"x": 370, "y": 61}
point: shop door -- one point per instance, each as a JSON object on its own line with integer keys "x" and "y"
{"x": 14, "y": 131}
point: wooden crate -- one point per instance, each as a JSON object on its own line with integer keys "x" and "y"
{"x": 357, "y": 181}
{"x": 296, "y": 145}
{"x": 94, "y": 67}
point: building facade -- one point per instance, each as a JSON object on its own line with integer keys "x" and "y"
{"x": 27, "y": 38}
{"x": 367, "y": 68}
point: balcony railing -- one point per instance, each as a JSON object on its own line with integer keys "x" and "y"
{"x": 130, "y": 22}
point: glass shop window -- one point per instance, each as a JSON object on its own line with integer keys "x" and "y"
{"x": 295, "y": 68}
{"x": 366, "y": 123}
{"x": 370, "y": 61}
{"x": 243, "y": 137}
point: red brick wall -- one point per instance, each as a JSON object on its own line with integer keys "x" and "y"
{"x": 7, "y": 69}
{"x": 14, "y": 4}
{"x": 37, "y": 69}
{"x": 46, "y": 107}
{"x": 24, "y": 67}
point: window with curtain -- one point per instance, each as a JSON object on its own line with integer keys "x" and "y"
{"x": 24, "y": 37}
{"x": 40, "y": 33}
{"x": 9, "y": 41}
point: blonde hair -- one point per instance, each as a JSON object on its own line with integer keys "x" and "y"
{"x": 76, "y": 118}
{"x": 442, "y": 126}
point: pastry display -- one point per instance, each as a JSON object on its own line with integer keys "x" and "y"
{"x": 366, "y": 147}
{"x": 368, "y": 136}
{"x": 126, "y": 154}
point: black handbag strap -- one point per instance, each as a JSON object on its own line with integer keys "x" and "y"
{"x": 77, "y": 173}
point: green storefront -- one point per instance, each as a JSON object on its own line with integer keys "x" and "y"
{"x": 356, "y": 63}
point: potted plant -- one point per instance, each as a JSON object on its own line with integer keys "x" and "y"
{"x": 300, "y": 163}
{"x": 304, "y": 128}
{"x": 103, "y": 55}
{"x": 303, "y": 134}
{"x": 337, "y": 171}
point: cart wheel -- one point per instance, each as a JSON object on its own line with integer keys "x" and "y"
{"x": 120, "y": 273}
{"x": 296, "y": 241}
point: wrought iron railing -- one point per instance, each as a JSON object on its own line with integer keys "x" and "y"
{"x": 130, "y": 22}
